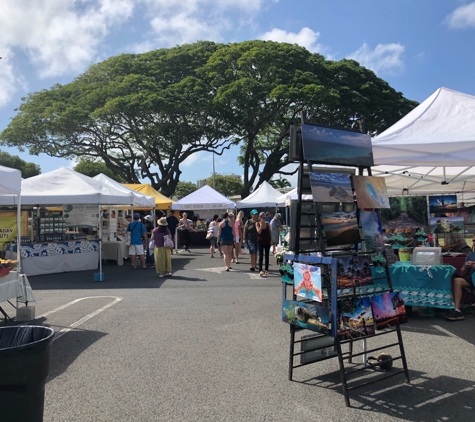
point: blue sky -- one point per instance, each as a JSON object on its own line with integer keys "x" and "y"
{"x": 416, "y": 45}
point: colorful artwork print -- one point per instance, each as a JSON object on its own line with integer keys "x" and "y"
{"x": 446, "y": 224}
{"x": 354, "y": 271}
{"x": 388, "y": 309}
{"x": 341, "y": 228}
{"x": 336, "y": 146}
{"x": 442, "y": 202}
{"x": 355, "y": 318}
{"x": 308, "y": 281}
{"x": 370, "y": 192}
{"x": 331, "y": 187}
{"x": 371, "y": 230}
{"x": 305, "y": 315}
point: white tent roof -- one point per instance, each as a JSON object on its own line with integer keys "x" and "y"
{"x": 202, "y": 199}
{"x": 292, "y": 195}
{"x": 431, "y": 149}
{"x": 65, "y": 186}
{"x": 264, "y": 196}
{"x": 10, "y": 185}
{"x": 139, "y": 200}
{"x": 438, "y": 132}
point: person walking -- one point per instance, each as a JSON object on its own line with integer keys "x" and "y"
{"x": 250, "y": 237}
{"x": 162, "y": 255}
{"x": 275, "y": 226}
{"x": 148, "y": 223}
{"x": 226, "y": 239}
{"x": 137, "y": 232}
{"x": 263, "y": 242}
{"x": 185, "y": 227}
{"x": 172, "y": 222}
{"x": 238, "y": 232}
{"x": 213, "y": 229}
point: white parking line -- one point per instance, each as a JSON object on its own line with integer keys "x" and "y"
{"x": 84, "y": 319}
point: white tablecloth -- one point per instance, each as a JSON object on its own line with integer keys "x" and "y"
{"x": 15, "y": 286}
{"x": 115, "y": 251}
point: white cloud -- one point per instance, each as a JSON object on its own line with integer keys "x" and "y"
{"x": 384, "y": 58}
{"x": 186, "y": 21}
{"x": 305, "y": 38}
{"x": 462, "y": 17}
{"x": 60, "y": 36}
{"x": 8, "y": 81}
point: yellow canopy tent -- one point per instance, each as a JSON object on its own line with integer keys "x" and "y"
{"x": 161, "y": 201}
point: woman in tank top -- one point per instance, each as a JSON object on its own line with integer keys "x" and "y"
{"x": 226, "y": 239}
{"x": 263, "y": 243}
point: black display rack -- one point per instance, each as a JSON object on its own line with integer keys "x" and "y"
{"x": 307, "y": 238}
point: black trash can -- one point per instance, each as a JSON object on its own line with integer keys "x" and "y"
{"x": 24, "y": 366}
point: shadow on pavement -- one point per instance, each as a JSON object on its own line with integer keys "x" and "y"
{"x": 425, "y": 399}
{"x": 66, "y": 349}
{"x": 124, "y": 277}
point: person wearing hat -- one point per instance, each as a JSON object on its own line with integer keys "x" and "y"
{"x": 162, "y": 255}
{"x": 137, "y": 232}
{"x": 250, "y": 237}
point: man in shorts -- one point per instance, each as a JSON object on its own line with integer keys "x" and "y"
{"x": 459, "y": 283}
{"x": 137, "y": 231}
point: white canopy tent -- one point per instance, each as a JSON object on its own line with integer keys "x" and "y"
{"x": 264, "y": 196}
{"x": 65, "y": 186}
{"x": 203, "y": 199}
{"x": 431, "y": 149}
{"x": 139, "y": 200}
{"x": 10, "y": 191}
{"x": 292, "y": 195}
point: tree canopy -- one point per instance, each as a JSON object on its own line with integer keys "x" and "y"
{"x": 226, "y": 184}
{"x": 144, "y": 114}
{"x": 93, "y": 168}
{"x": 27, "y": 169}
{"x": 184, "y": 189}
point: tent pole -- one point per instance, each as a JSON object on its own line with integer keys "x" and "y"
{"x": 100, "y": 244}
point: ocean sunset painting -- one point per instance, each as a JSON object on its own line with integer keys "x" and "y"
{"x": 341, "y": 228}
{"x": 336, "y": 146}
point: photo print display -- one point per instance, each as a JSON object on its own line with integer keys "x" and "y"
{"x": 354, "y": 271}
{"x": 340, "y": 228}
{"x": 331, "y": 187}
{"x": 388, "y": 309}
{"x": 306, "y": 315}
{"x": 442, "y": 203}
{"x": 446, "y": 224}
{"x": 308, "y": 281}
{"x": 336, "y": 146}
{"x": 371, "y": 230}
{"x": 355, "y": 318}
{"x": 370, "y": 192}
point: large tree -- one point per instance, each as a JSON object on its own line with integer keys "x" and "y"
{"x": 141, "y": 114}
{"x": 27, "y": 169}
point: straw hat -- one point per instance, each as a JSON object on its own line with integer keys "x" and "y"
{"x": 162, "y": 222}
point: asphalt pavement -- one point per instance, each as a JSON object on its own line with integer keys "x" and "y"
{"x": 209, "y": 345}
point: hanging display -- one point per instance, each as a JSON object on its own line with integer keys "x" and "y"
{"x": 388, "y": 310}
{"x": 354, "y": 271}
{"x": 331, "y": 187}
{"x": 371, "y": 230}
{"x": 308, "y": 281}
{"x": 355, "y": 318}
{"x": 305, "y": 315}
{"x": 370, "y": 192}
{"x": 340, "y": 228}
